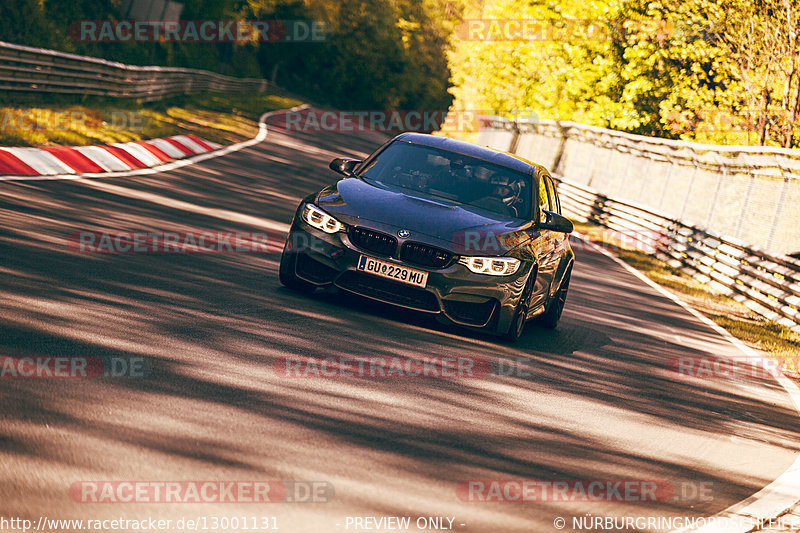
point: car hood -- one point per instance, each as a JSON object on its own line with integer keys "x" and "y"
{"x": 444, "y": 223}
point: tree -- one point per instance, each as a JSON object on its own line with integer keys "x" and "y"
{"x": 694, "y": 69}
{"x": 378, "y": 54}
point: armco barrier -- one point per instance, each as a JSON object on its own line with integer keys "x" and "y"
{"x": 614, "y": 179}
{"x": 767, "y": 284}
{"x": 497, "y": 132}
{"x": 747, "y": 193}
{"x": 23, "y": 68}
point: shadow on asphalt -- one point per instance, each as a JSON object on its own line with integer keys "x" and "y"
{"x": 199, "y": 318}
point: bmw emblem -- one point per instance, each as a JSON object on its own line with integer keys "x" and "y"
{"x": 403, "y": 233}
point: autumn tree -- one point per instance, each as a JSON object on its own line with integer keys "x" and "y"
{"x": 706, "y": 70}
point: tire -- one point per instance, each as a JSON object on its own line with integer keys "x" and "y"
{"x": 288, "y": 278}
{"x": 549, "y": 319}
{"x": 517, "y": 326}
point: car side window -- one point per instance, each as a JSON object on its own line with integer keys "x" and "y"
{"x": 551, "y": 192}
{"x": 543, "y": 198}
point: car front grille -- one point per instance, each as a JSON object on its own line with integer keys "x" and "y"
{"x": 476, "y": 314}
{"x": 424, "y": 255}
{"x": 373, "y": 241}
{"x": 388, "y": 291}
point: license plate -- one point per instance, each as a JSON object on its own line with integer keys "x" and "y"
{"x": 388, "y": 270}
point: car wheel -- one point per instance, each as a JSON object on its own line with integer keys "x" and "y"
{"x": 288, "y": 278}
{"x": 549, "y": 319}
{"x": 517, "y": 325}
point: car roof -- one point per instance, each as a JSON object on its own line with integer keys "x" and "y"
{"x": 485, "y": 153}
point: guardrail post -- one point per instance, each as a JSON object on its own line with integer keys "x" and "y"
{"x": 625, "y": 172}
{"x": 592, "y": 157}
{"x": 745, "y": 204}
{"x": 515, "y": 137}
{"x": 562, "y": 145}
{"x": 667, "y": 183}
{"x": 689, "y": 189}
{"x": 716, "y": 194}
{"x": 645, "y": 175}
{"x": 608, "y": 161}
{"x": 598, "y": 214}
{"x": 778, "y": 212}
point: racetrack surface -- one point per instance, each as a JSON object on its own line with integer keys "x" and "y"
{"x": 595, "y": 399}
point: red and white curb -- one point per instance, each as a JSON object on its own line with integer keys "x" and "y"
{"x": 96, "y": 159}
{"x": 118, "y": 160}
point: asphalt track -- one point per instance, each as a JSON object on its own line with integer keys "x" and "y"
{"x": 593, "y": 400}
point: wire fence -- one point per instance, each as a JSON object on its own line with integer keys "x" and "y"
{"x": 725, "y": 214}
{"x": 747, "y": 193}
{"x": 766, "y": 283}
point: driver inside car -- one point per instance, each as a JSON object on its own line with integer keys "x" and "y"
{"x": 452, "y": 179}
{"x": 504, "y": 196}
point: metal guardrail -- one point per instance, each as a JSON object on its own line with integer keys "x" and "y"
{"x": 613, "y": 179}
{"x": 28, "y": 69}
{"x": 766, "y": 283}
{"x": 748, "y": 193}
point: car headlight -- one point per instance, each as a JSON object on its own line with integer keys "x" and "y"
{"x": 493, "y": 266}
{"x": 319, "y": 219}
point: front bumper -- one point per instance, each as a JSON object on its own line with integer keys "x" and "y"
{"x": 452, "y": 293}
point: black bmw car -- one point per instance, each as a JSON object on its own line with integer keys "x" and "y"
{"x": 470, "y": 234}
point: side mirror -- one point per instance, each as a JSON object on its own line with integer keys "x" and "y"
{"x": 556, "y": 222}
{"x": 344, "y": 165}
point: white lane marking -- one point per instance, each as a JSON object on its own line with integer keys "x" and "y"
{"x": 784, "y": 491}
{"x": 103, "y": 158}
{"x": 41, "y": 161}
{"x": 262, "y": 134}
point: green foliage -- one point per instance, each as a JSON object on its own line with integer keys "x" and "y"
{"x": 378, "y": 54}
{"x": 27, "y": 22}
{"x": 692, "y": 69}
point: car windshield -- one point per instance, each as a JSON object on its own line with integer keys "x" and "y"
{"x": 452, "y": 176}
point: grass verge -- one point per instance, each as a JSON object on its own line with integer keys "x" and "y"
{"x": 49, "y": 120}
{"x": 774, "y": 340}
